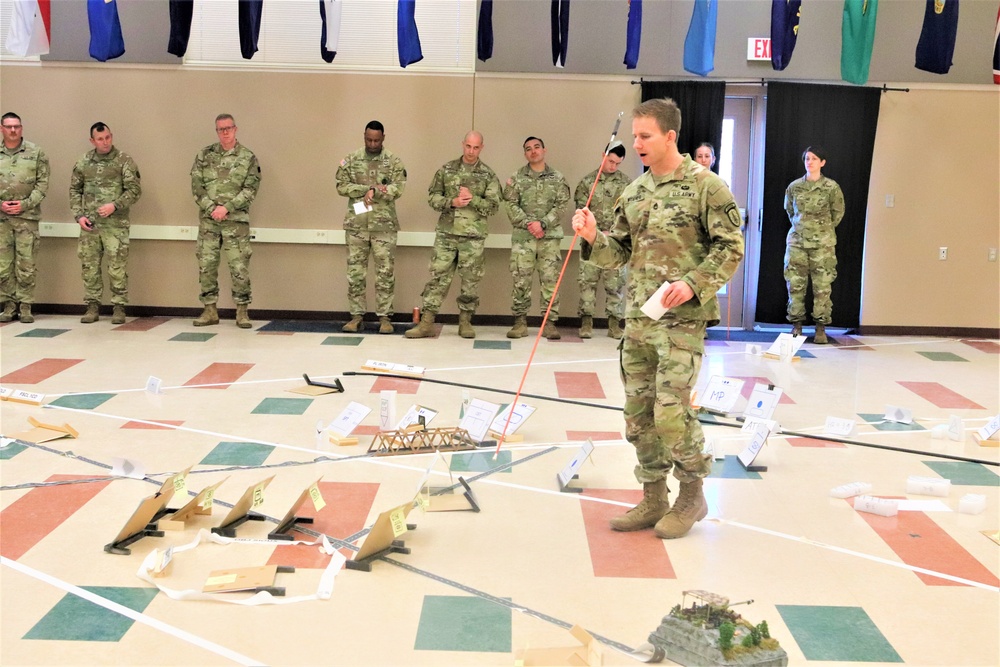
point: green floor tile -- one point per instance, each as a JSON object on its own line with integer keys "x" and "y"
{"x": 343, "y": 340}
{"x": 82, "y": 401}
{"x": 479, "y": 461}
{"x": 189, "y": 337}
{"x": 491, "y": 345}
{"x": 237, "y": 454}
{"x": 844, "y": 634}
{"x": 76, "y": 619}
{"x": 731, "y": 468}
{"x": 889, "y": 426}
{"x": 11, "y": 450}
{"x": 42, "y": 333}
{"x": 964, "y": 474}
{"x": 453, "y": 623}
{"x": 282, "y": 406}
{"x": 942, "y": 356}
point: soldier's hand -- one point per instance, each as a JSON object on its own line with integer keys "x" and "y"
{"x": 219, "y": 213}
{"x": 369, "y": 197}
{"x": 106, "y": 210}
{"x": 535, "y": 227}
{"x": 585, "y": 224}
{"x": 677, "y": 292}
{"x": 12, "y": 207}
{"x": 86, "y": 224}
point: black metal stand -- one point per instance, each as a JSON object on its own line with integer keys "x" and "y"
{"x": 282, "y": 531}
{"x": 229, "y": 529}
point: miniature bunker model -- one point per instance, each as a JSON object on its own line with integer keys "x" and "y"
{"x": 709, "y": 632}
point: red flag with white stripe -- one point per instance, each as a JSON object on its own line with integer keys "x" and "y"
{"x": 30, "y": 28}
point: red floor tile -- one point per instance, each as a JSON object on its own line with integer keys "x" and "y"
{"x": 154, "y": 424}
{"x": 219, "y": 374}
{"x": 38, "y": 371}
{"x": 920, "y": 542}
{"x": 941, "y": 396}
{"x": 29, "y": 519}
{"x": 636, "y": 555}
{"x": 593, "y": 435}
{"x": 401, "y": 386}
{"x": 987, "y": 346}
{"x": 363, "y": 429}
{"x": 142, "y": 324}
{"x": 751, "y": 380}
{"x": 347, "y": 508}
{"x": 578, "y": 385}
{"x": 813, "y": 442}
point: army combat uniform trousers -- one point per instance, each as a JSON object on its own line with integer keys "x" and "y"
{"x": 590, "y": 275}
{"x": 110, "y": 239}
{"x": 229, "y": 238}
{"x": 461, "y": 254}
{"x": 659, "y": 366}
{"x": 19, "y": 241}
{"x": 527, "y": 256}
{"x": 381, "y": 246}
{"x": 801, "y": 264}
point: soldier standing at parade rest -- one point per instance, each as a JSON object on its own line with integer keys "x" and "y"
{"x": 24, "y": 182}
{"x": 372, "y": 179}
{"x": 678, "y": 224}
{"x": 606, "y": 194}
{"x": 535, "y": 198}
{"x": 225, "y": 178}
{"x": 466, "y": 192}
{"x": 815, "y": 206}
{"x": 104, "y": 185}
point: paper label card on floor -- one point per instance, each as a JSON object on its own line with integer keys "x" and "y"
{"x": 572, "y": 469}
{"x": 785, "y": 347}
{"x": 518, "y": 415}
{"x": 479, "y": 414}
{"x": 721, "y": 394}
{"x": 413, "y": 415}
{"x": 763, "y": 400}
{"x": 750, "y": 452}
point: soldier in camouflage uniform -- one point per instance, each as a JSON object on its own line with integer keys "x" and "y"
{"x": 535, "y": 198}
{"x": 225, "y": 178}
{"x": 466, "y": 192}
{"x": 104, "y": 184}
{"x": 372, "y": 179}
{"x": 815, "y": 206}
{"x": 606, "y": 194}
{"x": 24, "y": 182}
{"x": 677, "y": 223}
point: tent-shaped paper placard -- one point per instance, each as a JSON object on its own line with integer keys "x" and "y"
{"x": 588, "y": 654}
{"x": 43, "y": 432}
{"x": 340, "y": 429}
{"x": 240, "y": 514}
{"x": 785, "y": 347}
{"x": 140, "y": 524}
{"x": 569, "y": 473}
{"x": 517, "y": 415}
{"x": 250, "y": 579}
{"x": 381, "y": 539}
{"x": 200, "y": 504}
{"x": 287, "y": 523}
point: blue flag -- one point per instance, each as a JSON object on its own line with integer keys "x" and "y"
{"x": 936, "y": 45}
{"x": 699, "y": 45}
{"x": 633, "y": 34}
{"x": 249, "y": 14}
{"x": 484, "y": 36}
{"x": 407, "y": 37}
{"x": 106, "y": 41}
{"x": 785, "y": 15}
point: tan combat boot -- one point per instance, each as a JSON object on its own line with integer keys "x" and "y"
{"x": 688, "y": 510}
{"x": 242, "y": 317}
{"x": 208, "y": 316}
{"x": 550, "y": 331}
{"x": 653, "y": 506}
{"x": 353, "y": 325}
{"x": 8, "y": 312}
{"x": 587, "y": 326}
{"x": 118, "y": 315}
{"x": 797, "y": 329}
{"x": 520, "y": 328}
{"x": 93, "y": 313}
{"x": 820, "y": 336}
{"x": 424, "y": 328}
{"x": 614, "y": 328}
{"x": 465, "y": 329}
{"x": 25, "y": 315}
{"x": 385, "y": 325}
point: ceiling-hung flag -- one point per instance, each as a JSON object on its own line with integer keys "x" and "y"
{"x": 699, "y": 45}
{"x": 936, "y": 45}
{"x": 30, "y": 28}
{"x": 106, "y": 41}
{"x": 407, "y": 37}
{"x": 329, "y": 35}
{"x": 633, "y": 33}
{"x": 181, "y": 12}
{"x": 484, "y": 34}
{"x": 785, "y": 16}
{"x": 249, "y": 14}
{"x": 996, "y": 51}
{"x": 857, "y": 39}
{"x": 560, "y": 31}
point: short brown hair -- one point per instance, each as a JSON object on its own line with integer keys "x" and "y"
{"x": 664, "y": 110}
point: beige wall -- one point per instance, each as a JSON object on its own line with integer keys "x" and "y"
{"x": 301, "y": 124}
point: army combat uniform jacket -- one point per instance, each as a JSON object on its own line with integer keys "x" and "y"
{"x": 541, "y": 196}
{"x": 469, "y": 220}
{"x": 225, "y": 178}
{"x": 104, "y": 179}
{"x": 358, "y": 173}
{"x": 24, "y": 177}
{"x": 815, "y": 208}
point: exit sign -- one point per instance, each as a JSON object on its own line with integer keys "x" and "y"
{"x": 758, "y": 48}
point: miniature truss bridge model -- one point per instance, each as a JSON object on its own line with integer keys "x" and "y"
{"x": 419, "y": 439}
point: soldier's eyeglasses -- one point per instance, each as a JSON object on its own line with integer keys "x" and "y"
{"x": 12, "y": 127}
{"x": 229, "y": 128}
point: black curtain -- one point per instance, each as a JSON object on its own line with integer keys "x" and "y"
{"x": 702, "y": 105}
{"x": 841, "y": 119}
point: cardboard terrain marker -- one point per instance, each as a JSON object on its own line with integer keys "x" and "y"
{"x": 43, "y": 432}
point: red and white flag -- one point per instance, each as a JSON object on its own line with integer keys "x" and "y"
{"x": 30, "y": 27}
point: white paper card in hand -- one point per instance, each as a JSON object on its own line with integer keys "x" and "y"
{"x": 653, "y": 308}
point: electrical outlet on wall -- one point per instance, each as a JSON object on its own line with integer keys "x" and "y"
{"x": 942, "y": 253}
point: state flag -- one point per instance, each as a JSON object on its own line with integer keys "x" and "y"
{"x": 30, "y": 28}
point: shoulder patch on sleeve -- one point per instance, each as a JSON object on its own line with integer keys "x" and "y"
{"x": 721, "y": 199}
{"x": 510, "y": 181}
{"x": 343, "y": 162}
